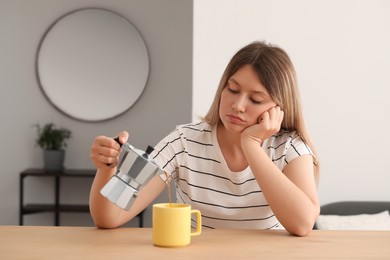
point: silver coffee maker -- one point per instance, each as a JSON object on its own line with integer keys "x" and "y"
{"x": 135, "y": 169}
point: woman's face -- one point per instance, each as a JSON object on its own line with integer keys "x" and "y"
{"x": 243, "y": 100}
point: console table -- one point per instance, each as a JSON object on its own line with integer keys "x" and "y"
{"x": 57, "y": 207}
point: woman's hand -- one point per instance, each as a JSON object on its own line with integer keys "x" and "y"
{"x": 105, "y": 150}
{"x": 269, "y": 123}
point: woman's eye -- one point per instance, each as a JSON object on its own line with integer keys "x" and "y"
{"x": 233, "y": 91}
{"x": 254, "y": 101}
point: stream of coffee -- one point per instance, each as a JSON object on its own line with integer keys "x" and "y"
{"x": 168, "y": 182}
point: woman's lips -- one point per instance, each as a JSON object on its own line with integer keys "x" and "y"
{"x": 235, "y": 118}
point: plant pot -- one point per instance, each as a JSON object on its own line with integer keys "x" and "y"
{"x": 53, "y": 160}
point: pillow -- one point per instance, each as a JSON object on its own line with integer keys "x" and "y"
{"x": 379, "y": 221}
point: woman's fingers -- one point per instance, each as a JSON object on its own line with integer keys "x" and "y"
{"x": 105, "y": 150}
{"x": 123, "y": 136}
{"x": 270, "y": 121}
{"x": 276, "y": 118}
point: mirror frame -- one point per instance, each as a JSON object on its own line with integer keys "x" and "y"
{"x": 42, "y": 88}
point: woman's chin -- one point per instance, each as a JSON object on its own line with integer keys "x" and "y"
{"x": 233, "y": 128}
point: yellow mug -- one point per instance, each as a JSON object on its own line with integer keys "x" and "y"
{"x": 172, "y": 224}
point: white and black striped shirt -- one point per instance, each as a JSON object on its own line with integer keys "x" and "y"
{"x": 226, "y": 199}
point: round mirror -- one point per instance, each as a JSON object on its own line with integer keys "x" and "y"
{"x": 92, "y": 64}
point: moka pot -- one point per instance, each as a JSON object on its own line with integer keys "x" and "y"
{"x": 135, "y": 169}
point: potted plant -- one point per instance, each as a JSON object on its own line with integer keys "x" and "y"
{"x": 53, "y": 141}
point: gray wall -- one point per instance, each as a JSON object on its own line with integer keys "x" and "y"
{"x": 166, "y": 27}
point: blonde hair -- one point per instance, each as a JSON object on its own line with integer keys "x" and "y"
{"x": 276, "y": 72}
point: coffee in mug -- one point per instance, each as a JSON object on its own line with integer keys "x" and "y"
{"x": 172, "y": 224}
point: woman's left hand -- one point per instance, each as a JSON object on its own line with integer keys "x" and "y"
{"x": 269, "y": 123}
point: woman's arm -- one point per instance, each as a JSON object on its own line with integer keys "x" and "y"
{"x": 104, "y": 213}
{"x": 292, "y": 195}
{"x": 107, "y": 215}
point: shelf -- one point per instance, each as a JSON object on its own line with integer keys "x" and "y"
{"x": 37, "y": 208}
{"x": 55, "y": 207}
{"x": 64, "y": 173}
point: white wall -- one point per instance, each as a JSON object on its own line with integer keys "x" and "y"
{"x": 342, "y": 56}
{"x": 166, "y": 27}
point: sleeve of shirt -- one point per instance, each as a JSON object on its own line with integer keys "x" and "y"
{"x": 297, "y": 147}
{"x": 165, "y": 153}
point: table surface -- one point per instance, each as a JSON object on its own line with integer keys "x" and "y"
{"x": 37, "y": 242}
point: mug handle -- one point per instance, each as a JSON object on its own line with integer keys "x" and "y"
{"x": 198, "y": 222}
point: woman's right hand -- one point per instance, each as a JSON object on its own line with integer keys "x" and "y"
{"x": 105, "y": 214}
{"x": 105, "y": 150}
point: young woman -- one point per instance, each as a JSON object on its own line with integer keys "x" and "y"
{"x": 249, "y": 163}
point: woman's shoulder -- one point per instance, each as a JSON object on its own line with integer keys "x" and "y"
{"x": 194, "y": 128}
{"x": 286, "y": 140}
{"x": 189, "y": 131}
{"x": 285, "y": 146}
{"x": 286, "y": 135}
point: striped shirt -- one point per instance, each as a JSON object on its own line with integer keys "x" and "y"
{"x": 192, "y": 157}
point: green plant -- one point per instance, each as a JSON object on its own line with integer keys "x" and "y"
{"x": 52, "y": 138}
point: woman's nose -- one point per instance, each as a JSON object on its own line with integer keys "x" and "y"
{"x": 239, "y": 104}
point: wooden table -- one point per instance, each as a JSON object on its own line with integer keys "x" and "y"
{"x": 33, "y": 242}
